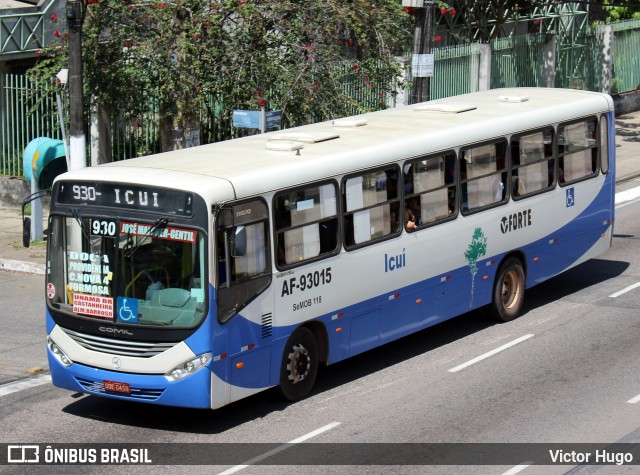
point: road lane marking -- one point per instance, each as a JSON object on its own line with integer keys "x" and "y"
{"x": 17, "y": 386}
{"x": 634, "y": 400}
{"x": 268, "y": 454}
{"x": 516, "y": 469}
{"x": 490, "y": 353}
{"x": 624, "y": 197}
{"x": 625, "y": 290}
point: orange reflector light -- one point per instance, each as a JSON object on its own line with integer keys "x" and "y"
{"x": 485, "y": 277}
{"x": 338, "y": 330}
{"x": 239, "y": 365}
{"x": 535, "y": 259}
{"x": 419, "y": 301}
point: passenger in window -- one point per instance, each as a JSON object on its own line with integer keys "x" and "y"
{"x": 412, "y": 213}
{"x": 451, "y": 199}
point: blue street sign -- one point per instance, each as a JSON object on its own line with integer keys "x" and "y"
{"x": 251, "y": 119}
{"x": 273, "y": 119}
{"x": 246, "y": 119}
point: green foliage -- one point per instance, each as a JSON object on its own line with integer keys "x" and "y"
{"x": 621, "y": 10}
{"x": 286, "y": 55}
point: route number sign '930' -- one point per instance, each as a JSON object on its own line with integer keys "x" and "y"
{"x": 115, "y": 195}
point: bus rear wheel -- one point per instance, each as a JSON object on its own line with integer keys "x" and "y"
{"x": 299, "y": 365}
{"x": 508, "y": 291}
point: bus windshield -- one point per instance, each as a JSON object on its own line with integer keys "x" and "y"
{"x": 126, "y": 271}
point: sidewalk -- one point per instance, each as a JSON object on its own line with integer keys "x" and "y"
{"x": 14, "y": 257}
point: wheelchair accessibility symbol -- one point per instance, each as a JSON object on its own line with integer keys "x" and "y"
{"x": 570, "y": 197}
{"x": 127, "y": 310}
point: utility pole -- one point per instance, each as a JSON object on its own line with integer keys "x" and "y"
{"x": 421, "y": 49}
{"x": 77, "y": 140}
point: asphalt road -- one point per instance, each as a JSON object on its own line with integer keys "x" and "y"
{"x": 567, "y": 372}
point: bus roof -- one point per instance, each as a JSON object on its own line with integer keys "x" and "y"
{"x": 245, "y": 167}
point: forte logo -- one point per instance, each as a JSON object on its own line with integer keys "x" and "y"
{"x": 515, "y": 221}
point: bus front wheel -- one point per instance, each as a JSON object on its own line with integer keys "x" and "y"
{"x": 508, "y": 291}
{"x": 299, "y": 365}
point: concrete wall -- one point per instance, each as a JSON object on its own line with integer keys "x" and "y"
{"x": 627, "y": 102}
{"x": 13, "y": 190}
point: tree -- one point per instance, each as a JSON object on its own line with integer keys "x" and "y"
{"x": 477, "y": 248}
{"x": 192, "y": 56}
{"x": 620, "y": 10}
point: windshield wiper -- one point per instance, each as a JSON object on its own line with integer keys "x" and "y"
{"x": 160, "y": 223}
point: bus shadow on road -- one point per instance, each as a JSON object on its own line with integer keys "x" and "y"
{"x": 567, "y": 285}
{"x": 572, "y": 283}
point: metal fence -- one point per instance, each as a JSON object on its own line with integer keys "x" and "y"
{"x": 455, "y": 71}
{"x": 626, "y": 56}
{"x": 21, "y": 121}
{"x": 517, "y": 61}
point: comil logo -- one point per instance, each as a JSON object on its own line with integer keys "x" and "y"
{"x": 23, "y": 454}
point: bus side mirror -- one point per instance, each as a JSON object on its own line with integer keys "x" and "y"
{"x": 239, "y": 242}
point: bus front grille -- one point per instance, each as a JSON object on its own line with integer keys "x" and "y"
{"x": 97, "y": 387}
{"x": 114, "y": 346}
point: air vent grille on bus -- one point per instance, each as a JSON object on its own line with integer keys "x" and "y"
{"x": 114, "y": 346}
{"x": 267, "y": 325}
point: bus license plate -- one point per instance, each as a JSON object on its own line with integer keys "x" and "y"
{"x": 117, "y": 387}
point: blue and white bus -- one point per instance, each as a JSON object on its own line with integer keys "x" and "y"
{"x": 201, "y": 276}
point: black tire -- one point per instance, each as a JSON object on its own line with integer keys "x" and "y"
{"x": 299, "y": 365}
{"x": 508, "y": 291}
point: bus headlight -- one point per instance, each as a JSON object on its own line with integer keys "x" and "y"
{"x": 188, "y": 368}
{"x": 58, "y": 353}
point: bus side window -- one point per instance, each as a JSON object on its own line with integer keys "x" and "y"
{"x": 306, "y": 224}
{"x": 483, "y": 175}
{"x": 532, "y": 163}
{"x": 577, "y": 151}
{"x": 372, "y": 204}
{"x": 604, "y": 144}
{"x": 431, "y": 196}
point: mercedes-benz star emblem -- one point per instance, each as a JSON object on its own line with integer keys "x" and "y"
{"x": 116, "y": 362}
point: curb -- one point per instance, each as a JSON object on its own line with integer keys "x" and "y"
{"x": 20, "y": 266}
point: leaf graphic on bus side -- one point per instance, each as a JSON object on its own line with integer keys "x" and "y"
{"x": 477, "y": 248}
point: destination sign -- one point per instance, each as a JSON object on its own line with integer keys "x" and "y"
{"x": 116, "y": 195}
